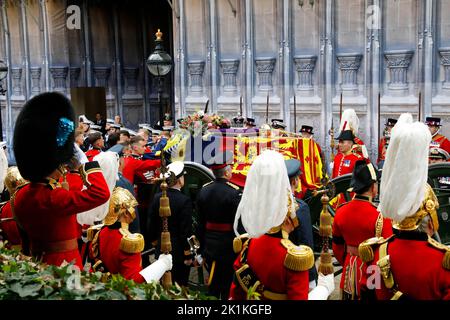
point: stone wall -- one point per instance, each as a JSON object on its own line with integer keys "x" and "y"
{"x": 277, "y": 48}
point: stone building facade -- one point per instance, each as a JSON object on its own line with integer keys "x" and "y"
{"x": 381, "y": 55}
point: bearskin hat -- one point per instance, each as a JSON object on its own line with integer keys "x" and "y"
{"x": 49, "y": 117}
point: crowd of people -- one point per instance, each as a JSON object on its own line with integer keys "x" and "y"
{"x": 85, "y": 198}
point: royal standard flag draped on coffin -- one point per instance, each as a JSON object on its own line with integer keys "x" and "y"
{"x": 247, "y": 148}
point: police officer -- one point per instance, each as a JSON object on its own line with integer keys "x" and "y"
{"x": 303, "y": 234}
{"x": 217, "y": 203}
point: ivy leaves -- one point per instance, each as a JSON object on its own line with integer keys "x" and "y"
{"x": 23, "y": 278}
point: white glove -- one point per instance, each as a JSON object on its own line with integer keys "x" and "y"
{"x": 156, "y": 270}
{"x": 80, "y": 155}
{"x": 325, "y": 286}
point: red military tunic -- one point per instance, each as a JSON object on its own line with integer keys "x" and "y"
{"x": 344, "y": 164}
{"x": 416, "y": 266}
{"x": 114, "y": 259}
{"x": 47, "y": 213}
{"x": 266, "y": 256}
{"x": 440, "y": 141}
{"x": 90, "y": 154}
{"x": 353, "y": 223}
{"x": 381, "y": 150}
{"x": 8, "y": 225}
{"x": 133, "y": 165}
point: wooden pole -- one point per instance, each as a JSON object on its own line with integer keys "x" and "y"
{"x": 379, "y": 116}
{"x": 206, "y": 107}
{"x": 340, "y": 108}
{"x": 295, "y": 114}
{"x": 420, "y": 107}
{"x": 267, "y": 108}
{"x": 240, "y": 106}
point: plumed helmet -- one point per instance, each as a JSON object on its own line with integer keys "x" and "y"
{"x": 13, "y": 180}
{"x": 405, "y": 196}
{"x": 267, "y": 198}
{"x": 49, "y": 116}
{"x": 349, "y": 121}
{"x": 121, "y": 201}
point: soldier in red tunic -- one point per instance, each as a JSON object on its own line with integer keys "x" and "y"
{"x": 134, "y": 165}
{"x": 345, "y": 160}
{"x": 355, "y": 222}
{"x": 410, "y": 264}
{"x": 350, "y": 121}
{"x": 117, "y": 251}
{"x": 438, "y": 140}
{"x": 45, "y": 211}
{"x": 8, "y": 226}
{"x": 384, "y": 141}
{"x": 269, "y": 263}
{"x": 97, "y": 143}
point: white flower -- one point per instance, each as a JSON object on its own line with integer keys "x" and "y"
{"x": 200, "y": 113}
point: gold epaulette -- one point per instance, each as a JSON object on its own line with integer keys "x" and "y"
{"x": 238, "y": 242}
{"x": 365, "y": 248}
{"x": 442, "y": 247}
{"x": 131, "y": 242}
{"x": 208, "y": 183}
{"x": 233, "y": 186}
{"x": 92, "y": 231}
{"x": 298, "y": 258}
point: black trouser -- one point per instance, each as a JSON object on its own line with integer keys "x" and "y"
{"x": 222, "y": 277}
{"x": 180, "y": 273}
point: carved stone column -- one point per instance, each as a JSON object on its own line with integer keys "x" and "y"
{"x": 264, "y": 67}
{"x": 398, "y": 63}
{"x": 195, "y": 70}
{"x": 102, "y": 76}
{"x": 74, "y": 75}
{"x": 16, "y": 75}
{"x": 35, "y": 80}
{"x": 59, "y": 75}
{"x": 305, "y": 67}
{"x": 229, "y": 70}
{"x": 445, "y": 60}
{"x": 349, "y": 64}
{"x": 131, "y": 74}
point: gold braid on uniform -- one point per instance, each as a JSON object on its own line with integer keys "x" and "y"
{"x": 298, "y": 258}
{"x": 442, "y": 247}
{"x": 131, "y": 242}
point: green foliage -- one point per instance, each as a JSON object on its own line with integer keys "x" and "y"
{"x": 23, "y": 278}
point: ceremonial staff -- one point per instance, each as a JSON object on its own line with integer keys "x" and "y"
{"x": 295, "y": 114}
{"x": 420, "y": 107}
{"x": 267, "y": 108}
{"x": 325, "y": 227}
{"x": 332, "y": 145}
{"x": 206, "y": 107}
{"x": 164, "y": 213}
{"x": 379, "y": 115}
{"x": 340, "y": 108}
{"x": 240, "y": 106}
